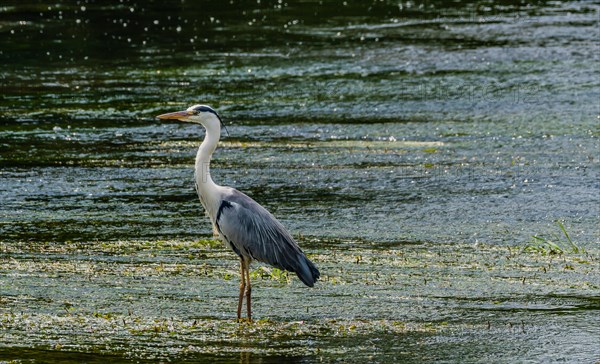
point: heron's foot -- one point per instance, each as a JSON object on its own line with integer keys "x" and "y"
{"x": 244, "y": 320}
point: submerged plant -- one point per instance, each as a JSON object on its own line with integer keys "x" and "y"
{"x": 553, "y": 245}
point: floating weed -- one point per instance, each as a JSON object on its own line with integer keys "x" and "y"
{"x": 554, "y": 245}
{"x": 106, "y": 316}
{"x": 162, "y": 301}
{"x": 228, "y": 276}
{"x": 271, "y": 273}
{"x": 208, "y": 243}
{"x": 113, "y": 247}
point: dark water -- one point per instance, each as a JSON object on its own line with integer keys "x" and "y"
{"x": 360, "y": 124}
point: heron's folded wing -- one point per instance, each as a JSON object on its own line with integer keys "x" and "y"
{"x": 254, "y": 232}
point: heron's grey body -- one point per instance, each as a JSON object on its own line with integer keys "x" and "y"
{"x": 252, "y": 232}
{"x": 244, "y": 225}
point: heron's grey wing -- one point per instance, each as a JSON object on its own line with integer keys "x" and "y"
{"x": 252, "y": 231}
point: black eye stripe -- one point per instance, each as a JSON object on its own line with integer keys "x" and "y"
{"x": 204, "y": 108}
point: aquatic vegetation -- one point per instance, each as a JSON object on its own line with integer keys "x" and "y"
{"x": 272, "y": 273}
{"x": 170, "y": 299}
{"x": 554, "y": 244}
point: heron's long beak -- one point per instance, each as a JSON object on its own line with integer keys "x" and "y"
{"x": 177, "y": 115}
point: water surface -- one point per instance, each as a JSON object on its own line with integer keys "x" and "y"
{"x": 385, "y": 129}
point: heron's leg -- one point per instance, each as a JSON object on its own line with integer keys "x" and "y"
{"x": 242, "y": 287}
{"x": 248, "y": 291}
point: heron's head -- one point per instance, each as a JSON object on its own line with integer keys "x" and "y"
{"x": 198, "y": 114}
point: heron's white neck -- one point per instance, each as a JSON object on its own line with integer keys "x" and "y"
{"x": 206, "y": 187}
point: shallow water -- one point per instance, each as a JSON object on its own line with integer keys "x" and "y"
{"x": 368, "y": 129}
{"x": 409, "y": 302}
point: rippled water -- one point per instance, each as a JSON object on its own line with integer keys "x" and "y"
{"x": 370, "y": 124}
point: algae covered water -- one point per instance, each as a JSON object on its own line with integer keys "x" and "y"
{"x": 413, "y": 148}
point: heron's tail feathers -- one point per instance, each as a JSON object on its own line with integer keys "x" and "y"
{"x": 307, "y": 271}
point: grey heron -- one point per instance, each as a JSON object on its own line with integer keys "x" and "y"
{"x": 243, "y": 225}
